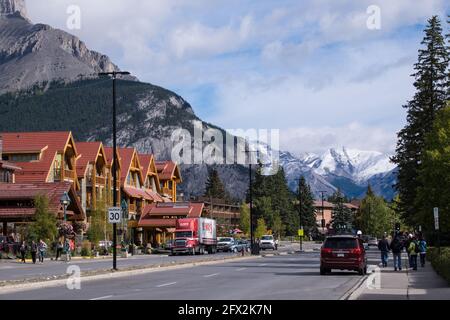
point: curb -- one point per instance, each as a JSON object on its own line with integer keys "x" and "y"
{"x": 355, "y": 291}
{"x": 112, "y": 274}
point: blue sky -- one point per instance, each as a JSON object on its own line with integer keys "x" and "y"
{"x": 310, "y": 68}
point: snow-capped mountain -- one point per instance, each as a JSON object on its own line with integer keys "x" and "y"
{"x": 350, "y": 170}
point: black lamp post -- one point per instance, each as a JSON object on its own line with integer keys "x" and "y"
{"x": 254, "y": 249}
{"x": 114, "y": 77}
{"x": 65, "y": 202}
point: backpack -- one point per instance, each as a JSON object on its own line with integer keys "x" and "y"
{"x": 416, "y": 247}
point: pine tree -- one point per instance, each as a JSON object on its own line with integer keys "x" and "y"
{"x": 434, "y": 175}
{"x": 215, "y": 187}
{"x": 431, "y": 85}
{"x": 44, "y": 224}
{"x": 307, "y": 210}
{"x": 341, "y": 216}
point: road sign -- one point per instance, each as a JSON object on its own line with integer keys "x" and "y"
{"x": 301, "y": 232}
{"x": 115, "y": 215}
{"x": 436, "y": 218}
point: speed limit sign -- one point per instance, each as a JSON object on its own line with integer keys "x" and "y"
{"x": 115, "y": 215}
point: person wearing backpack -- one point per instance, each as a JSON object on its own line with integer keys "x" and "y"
{"x": 413, "y": 250}
{"x": 383, "y": 246}
{"x": 422, "y": 251}
{"x": 397, "y": 247}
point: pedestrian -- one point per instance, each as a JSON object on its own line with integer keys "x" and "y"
{"x": 413, "y": 249}
{"x": 34, "y": 249}
{"x": 42, "y": 249}
{"x": 383, "y": 246}
{"x": 23, "y": 251}
{"x": 67, "y": 249}
{"x": 422, "y": 251}
{"x": 59, "y": 249}
{"x": 397, "y": 247}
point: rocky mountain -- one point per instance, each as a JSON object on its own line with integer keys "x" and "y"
{"x": 48, "y": 81}
{"x": 348, "y": 169}
{"x": 33, "y": 54}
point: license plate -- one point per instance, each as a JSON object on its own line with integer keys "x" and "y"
{"x": 340, "y": 255}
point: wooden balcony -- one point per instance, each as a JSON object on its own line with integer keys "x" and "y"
{"x": 132, "y": 208}
{"x": 167, "y": 191}
{"x": 99, "y": 181}
{"x": 66, "y": 175}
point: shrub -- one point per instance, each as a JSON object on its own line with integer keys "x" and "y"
{"x": 440, "y": 264}
{"x": 86, "y": 249}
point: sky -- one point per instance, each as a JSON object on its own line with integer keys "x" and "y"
{"x": 317, "y": 70}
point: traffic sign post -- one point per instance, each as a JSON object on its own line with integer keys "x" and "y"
{"x": 115, "y": 217}
{"x": 300, "y": 235}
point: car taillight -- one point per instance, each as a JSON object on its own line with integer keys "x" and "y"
{"x": 356, "y": 251}
{"x": 326, "y": 251}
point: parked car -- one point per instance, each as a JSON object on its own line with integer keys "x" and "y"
{"x": 245, "y": 245}
{"x": 268, "y": 242}
{"x": 226, "y": 244}
{"x": 343, "y": 252}
{"x": 372, "y": 242}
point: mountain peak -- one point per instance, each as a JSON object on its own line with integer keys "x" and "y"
{"x": 13, "y": 7}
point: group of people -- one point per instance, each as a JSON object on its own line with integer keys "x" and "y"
{"x": 415, "y": 246}
{"x": 40, "y": 249}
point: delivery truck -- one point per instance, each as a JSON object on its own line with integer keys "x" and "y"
{"x": 195, "y": 236}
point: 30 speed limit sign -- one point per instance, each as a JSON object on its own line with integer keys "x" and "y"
{"x": 115, "y": 215}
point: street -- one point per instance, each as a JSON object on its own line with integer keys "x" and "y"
{"x": 291, "y": 277}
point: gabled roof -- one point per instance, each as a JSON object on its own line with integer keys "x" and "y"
{"x": 168, "y": 170}
{"x": 54, "y": 191}
{"x": 89, "y": 152}
{"x": 127, "y": 155}
{"x": 110, "y": 158}
{"x": 49, "y": 143}
{"x": 149, "y": 167}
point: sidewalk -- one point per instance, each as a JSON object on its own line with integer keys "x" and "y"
{"x": 423, "y": 284}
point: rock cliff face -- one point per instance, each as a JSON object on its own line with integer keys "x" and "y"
{"x": 35, "y": 54}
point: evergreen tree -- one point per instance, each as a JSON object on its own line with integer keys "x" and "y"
{"x": 434, "y": 175}
{"x": 341, "y": 216}
{"x": 244, "y": 222}
{"x": 215, "y": 187}
{"x": 307, "y": 210}
{"x": 277, "y": 226}
{"x": 98, "y": 226}
{"x": 431, "y": 85}
{"x": 44, "y": 224}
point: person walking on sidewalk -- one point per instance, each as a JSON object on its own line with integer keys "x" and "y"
{"x": 59, "y": 249}
{"x": 413, "y": 249}
{"x": 423, "y": 251}
{"x": 397, "y": 247}
{"x": 42, "y": 249}
{"x": 383, "y": 246}
{"x": 34, "y": 249}
{"x": 23, "y": 251}
{"x": 67, "y": 248}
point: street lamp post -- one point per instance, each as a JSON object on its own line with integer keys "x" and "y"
{"x": 114, "y": 77}
{"x": 253, "y": 248}
{"x": 65, "y": 202}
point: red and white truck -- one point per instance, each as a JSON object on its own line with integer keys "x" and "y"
{"x": 195, "y": 236}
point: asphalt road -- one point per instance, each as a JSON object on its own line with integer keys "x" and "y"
{"x": 294, "y": 276}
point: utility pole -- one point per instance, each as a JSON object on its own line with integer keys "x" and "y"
{"x": 114, "y": 77}
{"x": 300, "y": 214}
{"x": 323, "y": 215}
{"x": 252, "y": 238}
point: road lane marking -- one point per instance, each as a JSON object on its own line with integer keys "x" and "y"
{"x": 211, "y": 275}
{"x": 240, "y": 269}
{"x": 262, "y": 264}
{"x": 101, "y": 298}
{"x": 165, "y": 284}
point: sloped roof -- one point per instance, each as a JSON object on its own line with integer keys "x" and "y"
{"x": 190, "y": 209}
{"x": 88, "y": 154}
{"x": 110, "y": 158}
{"x": 49, "y": 143}
{"x": 168, "y": 170}
{"x": 149, "y": 167}
{"x": 53, "y": 191}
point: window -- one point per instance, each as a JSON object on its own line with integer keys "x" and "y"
{"x": 25, "y": 157}
{"x": 6, "y": 176}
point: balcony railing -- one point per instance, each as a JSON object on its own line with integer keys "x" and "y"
{"x": 167, "y": 191}
{"x": 68, "y": 174}
{"x": 98, "y": 180}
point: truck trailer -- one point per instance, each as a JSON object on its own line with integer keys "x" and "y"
{"x": 195, "y": 236}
